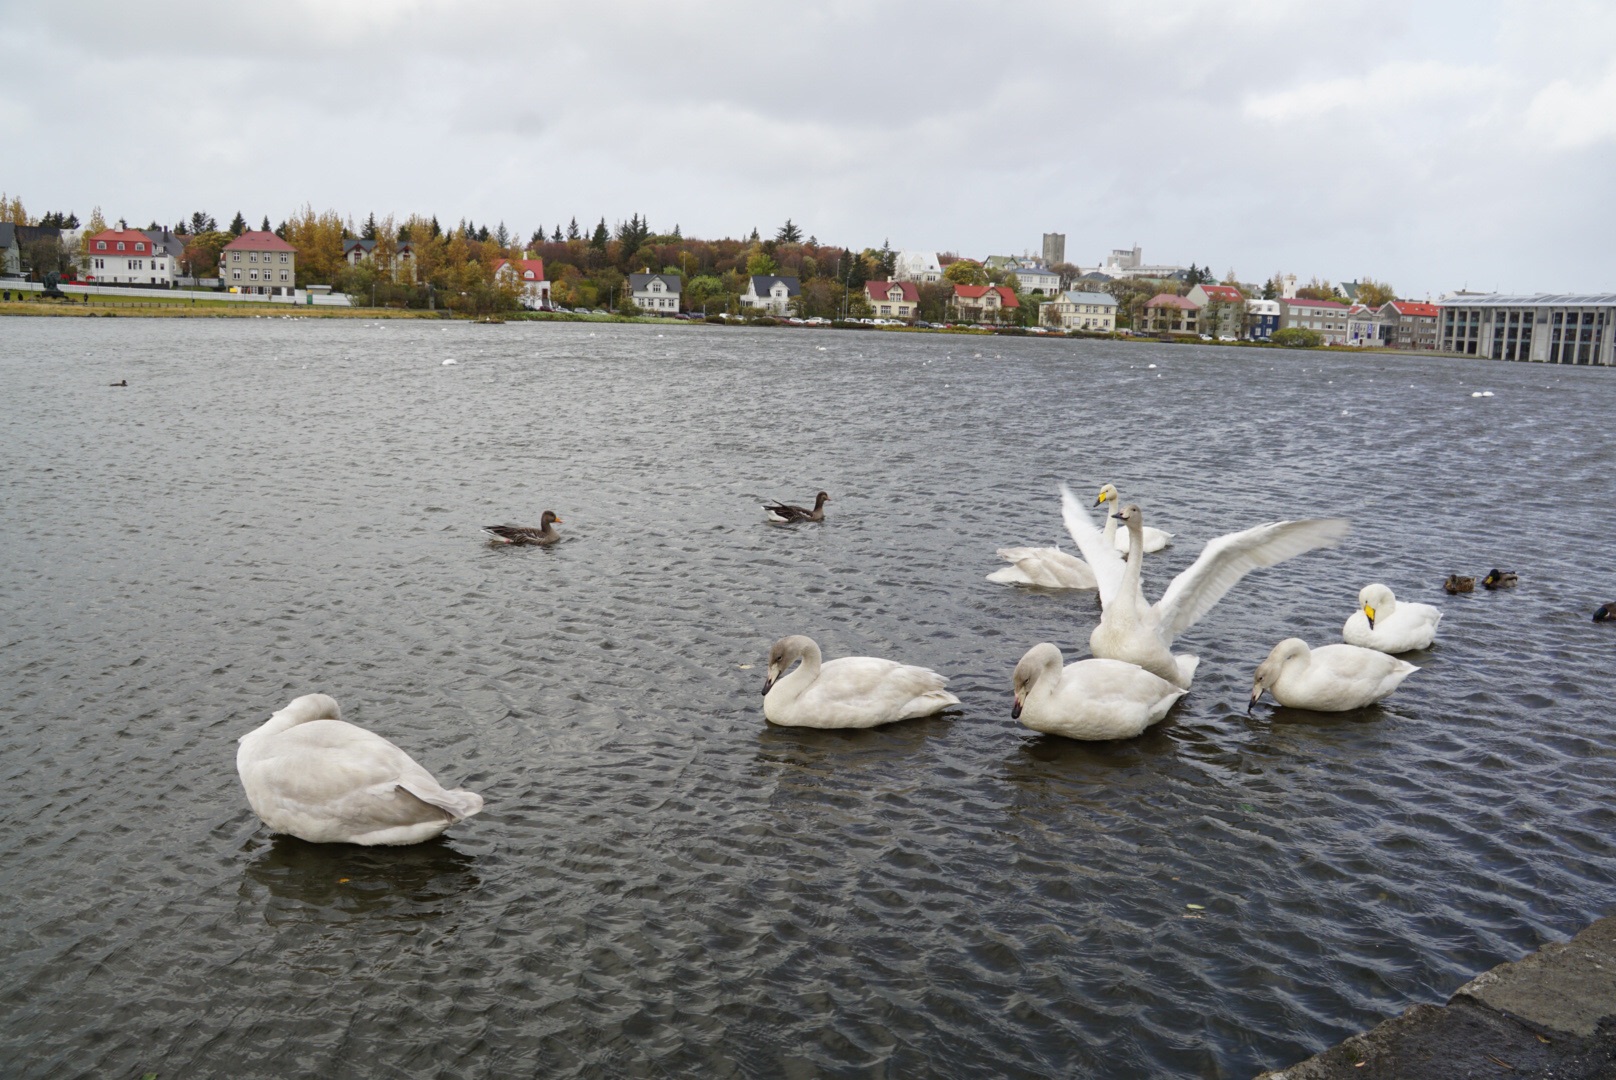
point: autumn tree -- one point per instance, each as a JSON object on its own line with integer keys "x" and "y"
{"x": 965, "y": 272}
{"x": 1374, "y": 293}
{"x": 11, "y": 210}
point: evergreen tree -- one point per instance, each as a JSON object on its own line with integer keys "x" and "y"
{"x": 482, "y": 235}
{"x": 369, "y": 232}
{"x": 889, "y": 260}
{"x": 202, "y": 222}
{"x": 676, "y": 234}
{"x": 598, "y": 241}
{"x": 572, "y": 229}
{"x": 238, "y": 224}
{"x": 754, "y": 238}
{"x": 502, "y": 236}
{"x": 265, "y": 226}
{"x": 153, "y": 227}
{"x": 556, "y": 236}
{"x": 537, "y": 238}
{"x": 437, "y": 230}
{"x": 788, "y": 234}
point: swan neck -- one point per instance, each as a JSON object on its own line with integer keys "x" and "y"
{"x": 1136, "y": 560}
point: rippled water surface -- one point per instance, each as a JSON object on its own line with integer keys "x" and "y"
{"x": 663, "y": 885}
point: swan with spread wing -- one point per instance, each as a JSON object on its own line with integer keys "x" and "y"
{"x": 1142, "y": 633}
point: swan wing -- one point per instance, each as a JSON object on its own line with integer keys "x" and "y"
{"x": 1229, "y": 558}
{"x": 1049, "y": 567}
{"x": 1102, "y": 558}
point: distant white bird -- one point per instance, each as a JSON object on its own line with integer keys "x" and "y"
{"x": 450, "y": 360}
{"x": 1331, "y": 678}
{"x": 1383, "y": 624}
{"x": 1155, "y": 539}
{"x": 309, "y": 774}
{"x": 1091, "y": 699}
{"x": 851, "y": 692}
{"x": 1143, "y": 634}
{"x": 1044, "y": 567}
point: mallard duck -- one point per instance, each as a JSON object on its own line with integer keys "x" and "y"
{"x": 1154, "y": 539}
{"x": 850, "y": 692}
{"x": 544, "y": 535}
{"x": 783, "y": 512}
{"x": 1091, "y": 699}
{"x": 1140, "y": 633}
{"x": 1606, "y": 612}
{"x": 309, "y": 774}
{"x": 1501, "y": 579}
{"x": 1331, "y": 678}
{"x": 1457, "y": 584}
{"x": 1384, "y": 624}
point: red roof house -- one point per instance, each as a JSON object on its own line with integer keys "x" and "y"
{"x": 900, "y": 299}
{"x": 978, "y": 302}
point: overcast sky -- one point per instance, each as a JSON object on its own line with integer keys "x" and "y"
{"x": 1441, "y": 145}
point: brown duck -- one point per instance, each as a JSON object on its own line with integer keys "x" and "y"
{"x": 544, "y": 535}
{"x": 786, "y": 513}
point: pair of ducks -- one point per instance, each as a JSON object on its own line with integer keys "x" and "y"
{"x": 1495, "y": 579}
{"x": 545, "y": 535}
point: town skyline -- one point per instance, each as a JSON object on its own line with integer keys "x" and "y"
{"x": 1442, "y": 148}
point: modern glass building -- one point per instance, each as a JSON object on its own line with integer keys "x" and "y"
{"x": 1546, "y": 328}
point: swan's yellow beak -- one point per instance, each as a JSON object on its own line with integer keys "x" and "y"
{"x": 1101, "y": 499}
{"x": 1369, "y": 613}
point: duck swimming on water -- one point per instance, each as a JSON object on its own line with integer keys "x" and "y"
{"x": 783, "y": 512}
{"x": 543, "y": 536}
{"x": 1457, "y": 584}
{"x": 1501, "y": 579}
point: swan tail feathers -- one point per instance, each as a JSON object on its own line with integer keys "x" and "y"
{"x": 458, "y": 804}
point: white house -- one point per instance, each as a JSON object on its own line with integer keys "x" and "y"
{"x": 917, "y": 266}
{"x": 770, "y": 293}
{"x": 535, "y": 289}
{"x": 655, "y": 293}
{"x": 1037, "y": 279}
{"x": 127, "y": 257}
{"x": 1095, "y": 312}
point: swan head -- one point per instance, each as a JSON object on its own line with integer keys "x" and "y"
{"x": 1038, "y": 662}
{"x": 1376, "y": 600}
{"x": 1132, "y": 517}
{"x": 1268, "y": 672}
{"x": 784, "y": 653}
{"x": 1107, "y": 494}
{"x": 549, "y": 518}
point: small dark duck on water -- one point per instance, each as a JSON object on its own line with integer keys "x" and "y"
{"x": 786, "y": 513}
{"x": 1501, "y": 579}
{"x": 544, "y": 535}
{"x": 1606, "y": 612}
{"x": 121, "y": 382}
{"x": 1457, "y": 584}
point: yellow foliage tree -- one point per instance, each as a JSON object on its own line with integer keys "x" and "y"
{"x": 11, "y": 211}
{"x": 318, "y": 239}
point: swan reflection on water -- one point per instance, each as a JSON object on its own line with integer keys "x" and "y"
{"x": 349, "y": 881}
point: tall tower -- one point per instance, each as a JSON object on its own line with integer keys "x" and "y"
{"x": 1054, "y": 248}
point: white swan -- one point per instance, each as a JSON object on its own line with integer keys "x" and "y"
{"x": 1155, "y": 539}
{"x": 1091, "y": 699}
{"x": 309, "y": 774}
{"x": 1045, "y": 567}
{"x": 1141, "y": 633}
{"x": 1382, "y": 623}
{"x": 1331, "y": 678}
{"x": 852, "y": 692}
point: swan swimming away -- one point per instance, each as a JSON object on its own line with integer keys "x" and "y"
{"x": 1383, "y": 624}
{"x": 1331, "y": 678}
{"x": 1143, "y": 634}
{"x": 309, "y": 774}
{"x": 851, "y": 692}
{"x": 1091, "y": 699}
{"x": 1043, "y": 567}
{"x": 1155, "y": 539}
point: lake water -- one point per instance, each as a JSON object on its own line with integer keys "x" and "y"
{"x": 662, "y": 884}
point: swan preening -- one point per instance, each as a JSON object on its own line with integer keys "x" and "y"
{"x": 309, "y": 774}
{"x": 1331, "y": 678}
{"x": 1091, "y": 699}
{"x": 1143, "y": 634}
{"x": 544, "y": 535}
{"x": 851, "y": 692}
{"x": 1044, "y": 567}
{"x": 783, "y": 512}
{"x": 1384, "y": 624}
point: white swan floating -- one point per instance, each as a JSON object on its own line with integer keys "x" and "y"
{"x": 1091, "y": 699}
{"x": 1043, "y": 567}
{"x": 1331, "y": 678}
{"x": 1154, "y": 539}
{"x": 1143, "y": 634}
{"x": 1383, "y": 624}
{"x": 309, "y": 774}
{"x": 851, "y": 692}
